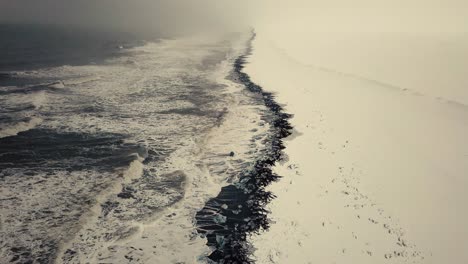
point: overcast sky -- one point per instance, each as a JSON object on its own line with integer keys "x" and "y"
{"x": 168, "y": 15}
{"x": 189, "y": 15}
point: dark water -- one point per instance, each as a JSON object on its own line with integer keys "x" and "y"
{"x": 29, "y": 47}
{"x": 52, "y": 150}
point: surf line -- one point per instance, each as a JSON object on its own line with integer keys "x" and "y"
{"x": 239, "y": 209}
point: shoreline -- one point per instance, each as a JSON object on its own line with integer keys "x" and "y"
{"x": 239, "y": 209}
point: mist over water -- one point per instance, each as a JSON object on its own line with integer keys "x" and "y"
{"x": 147, "y": 17}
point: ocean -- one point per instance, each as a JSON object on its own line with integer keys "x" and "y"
{"x": 110, "y": 144}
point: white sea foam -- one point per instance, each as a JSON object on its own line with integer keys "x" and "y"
{"x": 180, "y": 118}
{"x": 199, "y": 167}
{"x": 19, "y": 127}
{"x": 19, "y": 110}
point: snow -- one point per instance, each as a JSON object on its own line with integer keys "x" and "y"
{"x": 376, "y": 171}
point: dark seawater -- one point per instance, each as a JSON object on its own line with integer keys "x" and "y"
{"x": 110, "y": 144}
{"x": 29, "y": 47}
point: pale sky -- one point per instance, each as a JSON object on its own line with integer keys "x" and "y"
{"x": 189, "y": 15}
{"x": 167, "y": 15}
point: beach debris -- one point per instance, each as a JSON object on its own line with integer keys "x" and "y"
{"x": 220, "y": 219}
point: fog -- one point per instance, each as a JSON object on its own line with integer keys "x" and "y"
{"x": 366, "y": 15}
{"x": 182, "y": 16}
{"x": 159, "y": 16}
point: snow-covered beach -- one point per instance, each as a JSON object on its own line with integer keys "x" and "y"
{"x": 159, "y": 131}
{"x": 376, "y": 169}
